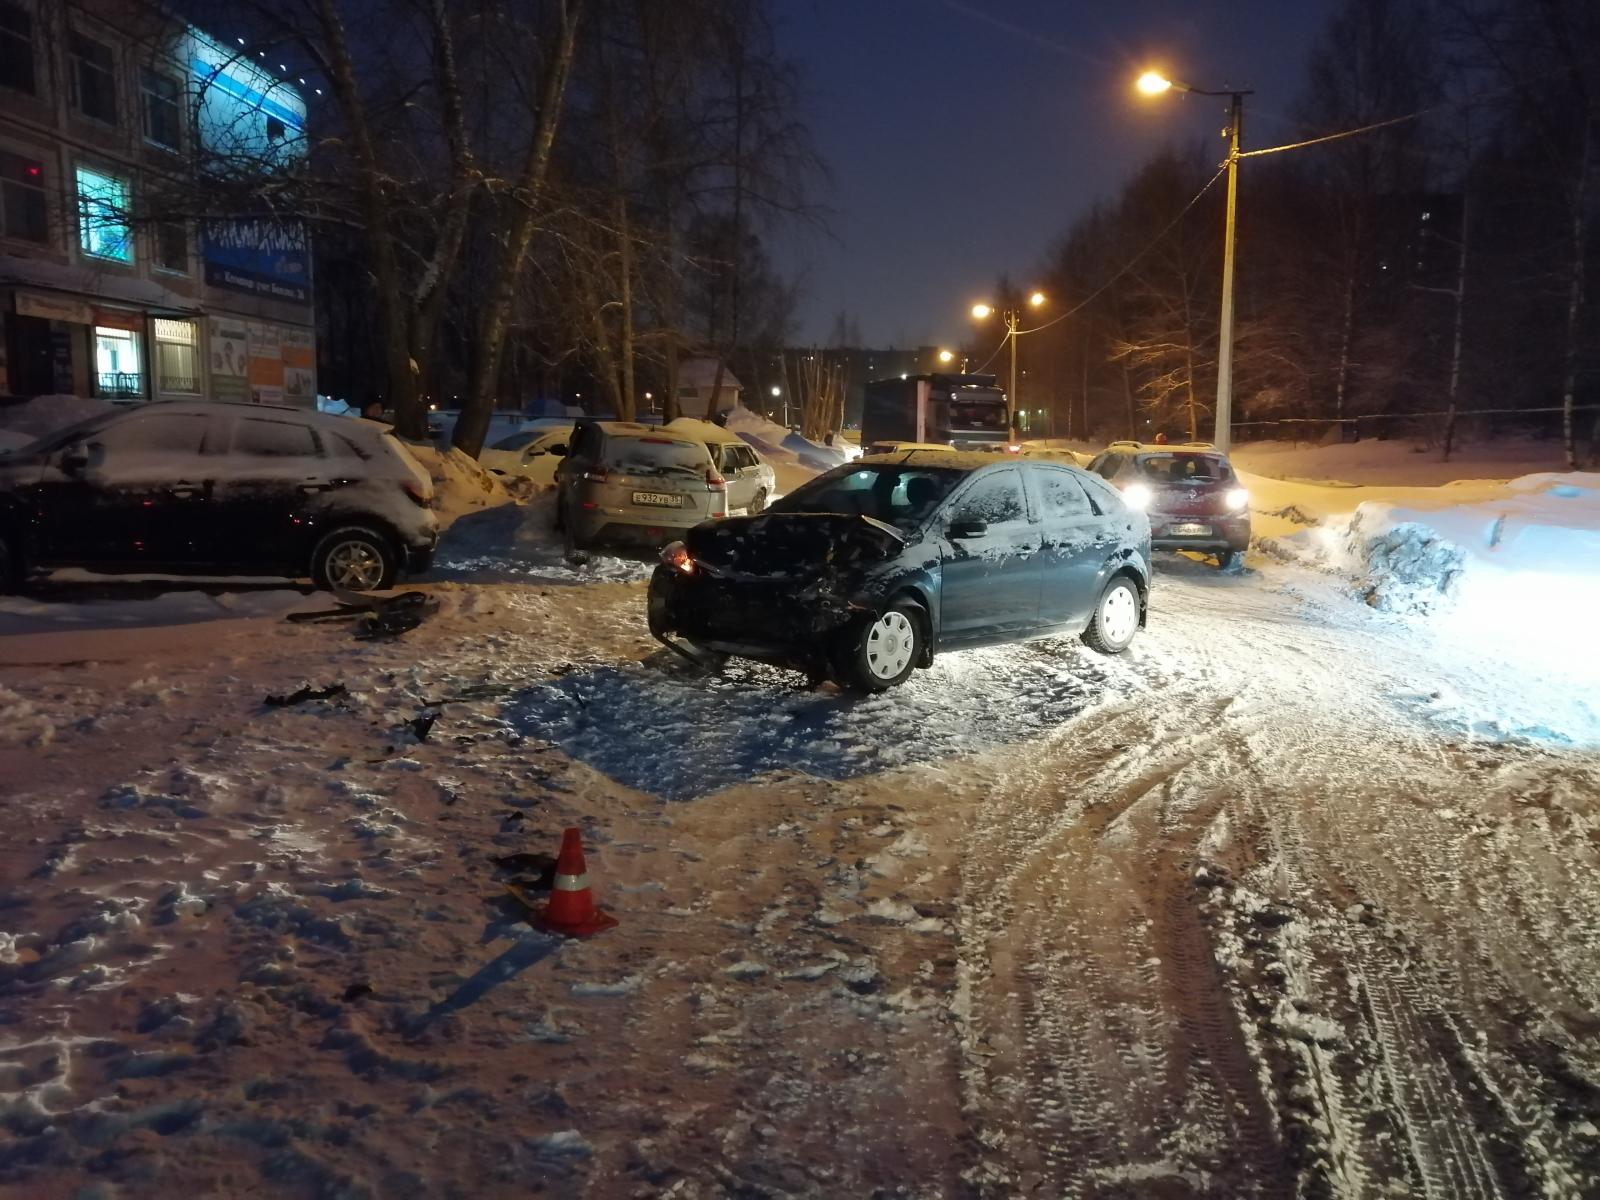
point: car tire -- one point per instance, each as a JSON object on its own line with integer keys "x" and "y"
{"x": 354, "y": 559}
{"x": 885, "y": 649}
{"x": 758, "y": 503}
{"x": 1116, "y": 617}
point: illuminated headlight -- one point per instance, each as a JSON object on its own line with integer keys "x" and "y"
{"x": 1237, "y": 498}
{"x": 1137, "y": 495}
{"x": 676, "y": 556}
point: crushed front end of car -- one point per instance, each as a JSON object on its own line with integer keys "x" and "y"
{"x": 778, "y": 588}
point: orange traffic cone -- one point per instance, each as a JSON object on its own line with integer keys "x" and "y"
{"x": 571, "y": 911}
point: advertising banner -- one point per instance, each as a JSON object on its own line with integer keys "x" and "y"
{"x": 230, "y": 359}
{"x": 54, "y": 308}
{"x": 266, "y": 364}
{"x": 299, "y": 367}
{"x": 269, "y": 259}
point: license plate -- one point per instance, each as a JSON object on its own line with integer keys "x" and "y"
{"x": 1189, "y": 530}
{"x": 658, "y": 499}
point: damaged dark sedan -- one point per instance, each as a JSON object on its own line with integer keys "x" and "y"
{"x": 865, "y": 572}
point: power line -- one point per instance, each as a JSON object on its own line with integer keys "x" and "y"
{"x": 1127, "y": 266}
{"x": 1334, "y": 137}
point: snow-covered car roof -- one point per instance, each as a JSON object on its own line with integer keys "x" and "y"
{"x": 1167, "y": 448}
{"x": 950, "y": 460}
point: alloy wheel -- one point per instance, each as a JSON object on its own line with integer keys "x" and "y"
{"x": 355, "y": 566}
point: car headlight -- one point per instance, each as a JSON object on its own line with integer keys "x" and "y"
{"x": 676, "y": 556}
{"x": 1137, "y": 495}
{"x": 1237, "y": 498}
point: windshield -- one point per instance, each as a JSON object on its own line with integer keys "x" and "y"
{"x": 515, "y": 442}
{"x": 1185, "y": 468}
{"x": 657, "y": 455}
{"x": 60, "y": 437}
{"x": 978, "y": 414}
{"x": 898, "y": 495}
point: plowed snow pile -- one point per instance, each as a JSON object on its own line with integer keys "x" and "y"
{"x": 1522, "y": 554}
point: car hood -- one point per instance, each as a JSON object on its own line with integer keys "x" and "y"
{"x": 778, "y": 545}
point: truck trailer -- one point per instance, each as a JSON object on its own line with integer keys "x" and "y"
{"x": 967, "y": 412}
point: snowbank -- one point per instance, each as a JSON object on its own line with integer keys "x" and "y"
{"x": 1518, "y": 562}
{"x": 1399, "y": 462}
{"x": 460, "y": 485}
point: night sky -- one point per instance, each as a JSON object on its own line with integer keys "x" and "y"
{"x": 960, "y": 148}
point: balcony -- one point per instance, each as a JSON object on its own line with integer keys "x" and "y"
{"x": 121, "y": 385}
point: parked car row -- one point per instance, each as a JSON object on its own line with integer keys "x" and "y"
{"x": 218, "y": 488}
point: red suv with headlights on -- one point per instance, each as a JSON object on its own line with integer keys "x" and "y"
{"x": 1190, "y": 493}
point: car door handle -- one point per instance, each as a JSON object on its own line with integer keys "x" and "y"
{"x": 312, "y": 486}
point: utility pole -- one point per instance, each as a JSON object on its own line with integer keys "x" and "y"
{"x": 1011, "y": 328}
{"x": 1224, "y": 434}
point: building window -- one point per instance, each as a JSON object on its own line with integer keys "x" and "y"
{"x": 103, "y": 230}
{"x": 16, "y": 48}
{"x": 163, "y": 109}
{"x": 22, "y": 204}
{"x": 172, "y": 246}
{"x": 94, "y": 78}
{"x": 177, "y": 356}
{"x": 116, "y": 360}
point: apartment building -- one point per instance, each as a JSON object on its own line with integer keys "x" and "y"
{"x": 114, "y": 113}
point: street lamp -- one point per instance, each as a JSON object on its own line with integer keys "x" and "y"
{"x": 946, "y": 357}
{"x": 1011, "y": 316}
{"x": 1153, "y": 83}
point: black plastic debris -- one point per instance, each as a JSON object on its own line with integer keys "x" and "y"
{"x": 376, "y": 616}
{"x": 305, "y": 692}
{"x": 357, "y": 991}
{"x": 420, "y": 726}
{"x": 534, "y": 872}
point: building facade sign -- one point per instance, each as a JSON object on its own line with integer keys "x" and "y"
{"x": 269, "y": 259}
{"x": 119, "y": 318}
{"x": 299, "y": 367}
{"x": 266, "y": 364}
{"x": 54, "y": 308}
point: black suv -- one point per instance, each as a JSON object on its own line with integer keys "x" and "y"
{"x": 218, "y": 489}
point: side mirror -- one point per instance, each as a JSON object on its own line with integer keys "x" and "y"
{"x": 962, "y": 530}
{"x": 74, "y": 458}
{"x": 559, "y": 450}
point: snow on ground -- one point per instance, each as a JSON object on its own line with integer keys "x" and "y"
{"x": 1246, "y": 912}
{"x": 1398, "y": 462}
{"x": 460, "y": 485}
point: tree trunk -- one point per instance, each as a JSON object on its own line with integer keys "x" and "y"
{"x": 473, "y": 425}
{"x": 1346, "y": 328}
{"x": 1580, "y": 222}
{"x": 427, "y": 301}
{"x": 1460, "y": 294}
{"x": 410, "y": 419}
{"x": 627, "y": 409}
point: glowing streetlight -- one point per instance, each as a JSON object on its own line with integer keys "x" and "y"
{"x": 946, "y": 356}
{"x": 1012, "y": 318}
{"x": 776, "y": 390}
{"x": 1152, "y": 83}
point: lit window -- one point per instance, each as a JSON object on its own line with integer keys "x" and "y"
{"x": 94, "y": 78}
{"x": 177, "y": 356}
{"x": 163, "y": 111}
{"x": 103, "y": 230}
{"x": 22, "y": 204}
{"x": 116, "y": 355}
{"x": 16, "y": 48}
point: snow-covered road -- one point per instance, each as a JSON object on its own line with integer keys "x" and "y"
{"x": 1295, "y": 899}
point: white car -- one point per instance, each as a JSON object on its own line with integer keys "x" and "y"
{"x": 530, "y": 453}
{"x": 752, "y": 483}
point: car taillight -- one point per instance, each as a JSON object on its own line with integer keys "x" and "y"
{"x": 1237, "y": 497}
{"x": 597, "y": 474}
{"x": 676, "y": 556}
{"x": 716, "y": 482}
{"x": 1137, "y": 495}
{"x": 1013, "y": 448}
{"x": 416, "y": 491}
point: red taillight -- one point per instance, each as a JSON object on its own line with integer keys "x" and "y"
{"x": 716, "y": 482}
{"x": 416, "y": 491}
{"x": 677, "y": 557}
